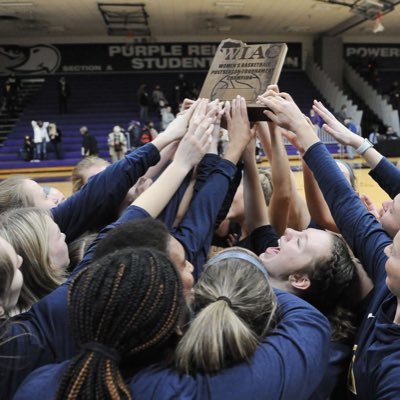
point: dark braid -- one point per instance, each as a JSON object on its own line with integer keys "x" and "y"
{"x": 127, "y": 303}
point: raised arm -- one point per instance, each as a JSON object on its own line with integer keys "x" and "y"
{"x": 200, "y": 174}
{"x": 255, "y": 209}
{"x": 316, "y": 203}
{"x": 192, "y": 147}
{"x": 177, "y": 206}
{"x": 271, "y": 138}
{"x": 98, "y": 202}
{"x": 382, "y": 171}
{"x": 360, "y": 228}
{"x": 344, "y": 135}
{"x": 195, "y": 230}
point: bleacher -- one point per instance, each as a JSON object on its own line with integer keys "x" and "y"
{"x": 102, "y": 101}
{"x": 382, "y": 81}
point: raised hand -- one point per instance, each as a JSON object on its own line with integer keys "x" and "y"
{"x": 238, "y": 121}
{"x": 370, "y": 206}
{"x": 204, "y": 111}
{"x": 195, "y": 144}
{"x": 293, "y": 140}
{"x": 270, "y": 88}
{"x": 238, "y": 128}
{"x": 283, "y": 111}
{"x": 179, "y": 126}
{"x": 186, "y": 105}
{"x": 334, "y": 127}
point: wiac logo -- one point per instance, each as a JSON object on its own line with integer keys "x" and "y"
{"x": 40, "y": 59}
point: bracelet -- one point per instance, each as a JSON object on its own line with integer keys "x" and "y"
{"x": 366, "y": 144}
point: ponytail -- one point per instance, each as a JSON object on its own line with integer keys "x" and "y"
{"x": 216, "y": 339}
{"x": 126, "y": 305}
{"x": 236, "y": 309}
{"x": 93, "y": 375}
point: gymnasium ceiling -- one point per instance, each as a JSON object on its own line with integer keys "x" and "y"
{"x": 198, "y": 19}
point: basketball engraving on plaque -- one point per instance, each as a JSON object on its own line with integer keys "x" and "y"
{"x": 245, "y": 70}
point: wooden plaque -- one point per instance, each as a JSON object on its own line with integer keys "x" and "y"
{"x": 245, "y": 70}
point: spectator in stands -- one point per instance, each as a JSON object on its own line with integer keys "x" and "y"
{"x": 181, "y": 90}
{"x": 133, "y": 133}
{"x": 55, "y": 139}
{"x": 85, "y": 169}
{"x": 390, "y": 133}
{"x": 116, "y": 144}
{"x": 166, "y": 117}
{"x": 28, "y": 148}
{"x": 152, "y": 129}
{"x": 349, "y": 124}
{"x": 40, "y": 138}
{"x": 193, "y": 91}
{"x": 374, "y": 136}
{"x": 147, "y": 134}
{"x": 89, "y": 143}
{"x": 10, "y": 94}
{"x": 316, "y": 120}
{"x": 144, "y": 102}
{"x": 158, "y": 98}
{"x": 64, "y": 93}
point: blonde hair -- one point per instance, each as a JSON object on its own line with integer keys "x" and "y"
{"x": 236, "y": 308}
{"x": 265, "y": 178}
{"x": 6, "y": 274}
{"x": 13, "y": 194}
{"x": 27, "y": 230}
{"x": 78, "y": 248}
{"x": 77, "y": 173}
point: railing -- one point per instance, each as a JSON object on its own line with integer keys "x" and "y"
{"x": 331, "y": 91}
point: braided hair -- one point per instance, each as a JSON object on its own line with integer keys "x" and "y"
{"x": 124, "y": 307}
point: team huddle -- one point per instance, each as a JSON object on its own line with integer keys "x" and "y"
{"x": 116, "y": 293}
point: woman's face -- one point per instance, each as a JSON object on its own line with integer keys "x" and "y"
{"x": 177, "y": 255}
{"x": 297, "y": 251}
{"x": 392, "y": 266}
{"x": 38, "y": 195}
{"x": 389, "y": 216}
{"x": 11, "y": 297}
{"x": 58, "y": 249}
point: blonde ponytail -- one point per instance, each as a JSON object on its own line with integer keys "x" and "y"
{"x": 236, "y": 309}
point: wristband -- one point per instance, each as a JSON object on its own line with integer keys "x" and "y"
{"x": 366, "y": 144}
